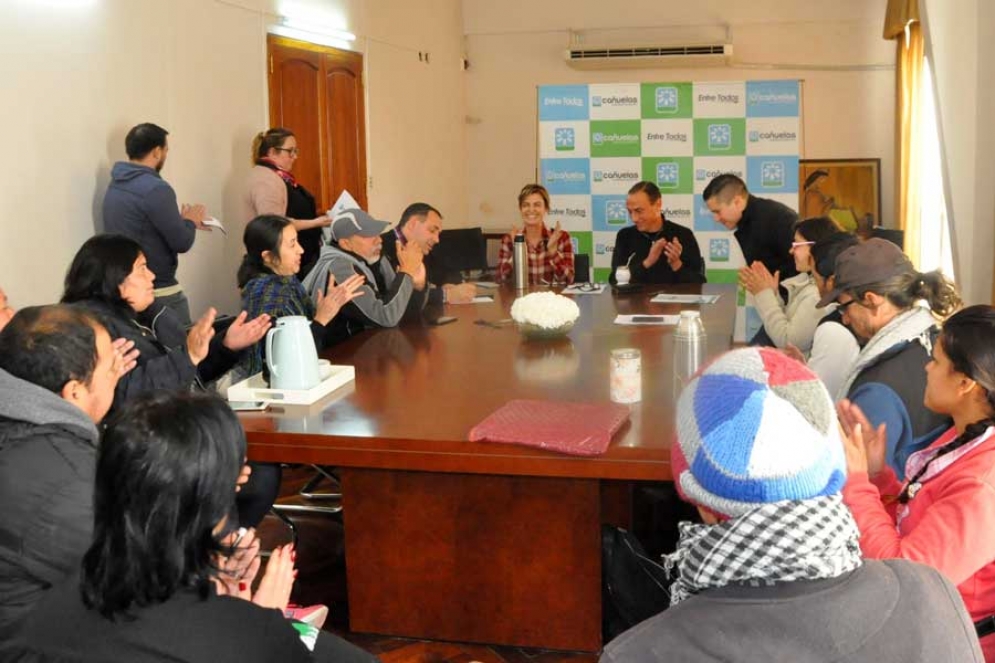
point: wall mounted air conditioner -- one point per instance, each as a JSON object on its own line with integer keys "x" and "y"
{"x": 649, "y": 57}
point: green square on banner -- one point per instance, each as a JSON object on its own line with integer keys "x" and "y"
{"x": 602, "y": 274}
{"x": 671, "y": 174}
{"x": 583, "y": 242}
{"x": 665, "y": 100}
{"x": 615, "y": 138}
{"x": 719, "y": 137}
{"x": 722, "y": 276}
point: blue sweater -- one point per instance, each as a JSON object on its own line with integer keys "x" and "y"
{"x": 141, "y": 205}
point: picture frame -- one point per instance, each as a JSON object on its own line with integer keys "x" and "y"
{"x": 846, "y": 190}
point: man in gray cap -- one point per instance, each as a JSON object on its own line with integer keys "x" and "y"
{"x": 356, "y": 249}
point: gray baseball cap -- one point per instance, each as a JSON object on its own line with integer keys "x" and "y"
{"x": 867, "y": 263}
{"x": 350, "y": 222}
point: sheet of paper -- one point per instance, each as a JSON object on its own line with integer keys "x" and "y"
{"x": 667, "y": 298}
{"x": 211, "y": 222}
{"x": 483, "y": 299}
{"x": 486, "y": 285}
{"x": 646, "y": 319}
{"x": 585, "y": 289}
{"x": 345, "y": 201}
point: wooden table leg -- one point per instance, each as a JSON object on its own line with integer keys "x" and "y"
{"x": 474, "y": 558}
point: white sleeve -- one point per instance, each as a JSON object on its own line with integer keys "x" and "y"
{"x": 834, "y": 349}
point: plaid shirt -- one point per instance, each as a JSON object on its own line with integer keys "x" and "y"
{"x": 276, "y": 296}
{"x": 543, "y": 268}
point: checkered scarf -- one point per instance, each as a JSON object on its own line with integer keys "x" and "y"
{"x": 778, "y": 542}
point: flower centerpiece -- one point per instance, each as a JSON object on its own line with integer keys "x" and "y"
{"x": 544, "y": 314}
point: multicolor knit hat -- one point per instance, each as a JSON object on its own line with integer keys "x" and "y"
{"x": 756, "y": 427}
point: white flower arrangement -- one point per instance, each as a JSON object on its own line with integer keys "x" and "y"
{"x": 545, "y": 310}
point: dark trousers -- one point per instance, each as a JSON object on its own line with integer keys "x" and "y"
{"x": 257, "y": 496}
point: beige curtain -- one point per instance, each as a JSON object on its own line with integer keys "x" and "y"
{"x": 902, "y": 25}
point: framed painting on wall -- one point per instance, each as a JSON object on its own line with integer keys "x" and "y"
{"x": 846, "y": 190}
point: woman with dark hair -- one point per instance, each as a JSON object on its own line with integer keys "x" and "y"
{"x": 944, "y": 516}
{"x": 792, "y": 322}
{"x": 151, "y": 586}
{"x": 267, "y": 279}
{"x": 834, "y": 347}
{"x": 272, "y": 189}
{"x": 550, "y": 254}
{"x": 110, "y": 278}
{"x": 879, "y": 293}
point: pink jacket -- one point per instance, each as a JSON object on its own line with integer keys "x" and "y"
{"x": 949, "y": 524}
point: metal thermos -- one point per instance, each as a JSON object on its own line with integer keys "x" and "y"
{"x": 689, "y": 345}
{"x": 520, "y": 260}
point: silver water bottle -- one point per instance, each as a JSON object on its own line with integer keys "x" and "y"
{"x": 689, "y": 346}
{"x": 520, "y": 261}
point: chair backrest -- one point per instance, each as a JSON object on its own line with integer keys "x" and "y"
{"x": 893, "y": 235}
{"x": 462, "y": 249}
{"x": 582, "y": 268}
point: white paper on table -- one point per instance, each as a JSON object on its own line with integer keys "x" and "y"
{"x": 667, "y": 298}
{"x": 211, "y": 222}
{"x": 585, "y": 289}
{"x": 482, "y": 299}
{"x": 486, "y": 285}
{"x": 646, "y": 319}
{"x": 345, "y": 201}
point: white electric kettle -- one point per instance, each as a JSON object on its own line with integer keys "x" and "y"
{"x": 291, "y": 355}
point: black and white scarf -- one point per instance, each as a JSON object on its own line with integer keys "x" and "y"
{"x": 779, "y": 542}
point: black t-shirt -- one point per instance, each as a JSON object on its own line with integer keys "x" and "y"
{"x": 184, "y": 628}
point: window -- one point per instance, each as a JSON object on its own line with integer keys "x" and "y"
{"x": 934, "y": 226}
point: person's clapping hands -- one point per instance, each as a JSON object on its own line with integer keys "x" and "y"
{"x": 757, "y": 278}
{"x": 6, "y": 312}
{"x": 865, "y": 445}
{"x": 329, "y": 303}
{"x": 242, "y": 334}
{"x": 411, "y": 261}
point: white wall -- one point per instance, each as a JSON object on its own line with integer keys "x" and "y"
{"x": 959, "y": 38}
{"x": 84, "y": 71}
{"x": 515, "y": 45}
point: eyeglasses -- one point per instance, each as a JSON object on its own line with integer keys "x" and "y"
{"x": 842, "y": 307}
{"x": 293, "y": 151}
{"x": 795, "y": 245}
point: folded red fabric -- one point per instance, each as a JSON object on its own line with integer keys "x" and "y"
{"x": 579, "y": 429}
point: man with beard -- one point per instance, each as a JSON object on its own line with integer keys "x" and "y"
{"x": 141, "y": 205}
{"x": 357, "y": 248}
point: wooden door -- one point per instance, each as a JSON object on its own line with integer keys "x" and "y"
{"x": 317, "y": 92}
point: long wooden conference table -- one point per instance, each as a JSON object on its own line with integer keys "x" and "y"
{"x": 479, "y": 542}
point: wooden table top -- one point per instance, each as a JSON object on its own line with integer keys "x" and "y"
{"x": 420, "y": 389}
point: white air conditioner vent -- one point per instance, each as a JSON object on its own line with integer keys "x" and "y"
{"x": 689, "y": 55}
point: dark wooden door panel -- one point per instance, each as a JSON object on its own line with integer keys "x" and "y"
{"x": 345, "y": 121}
{"x": 317, "y": 92}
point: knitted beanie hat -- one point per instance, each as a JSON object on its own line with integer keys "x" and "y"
{"x": 754, "y": 427}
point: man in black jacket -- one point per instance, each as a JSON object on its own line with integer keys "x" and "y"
{"x": 764, "y": 228}
{"x": 655, "y": 249}
{"x": 58, "y": 370}
{"x": 422, "y": 224}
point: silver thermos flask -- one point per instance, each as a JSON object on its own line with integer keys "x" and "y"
{"x": 689, "y": 347}
{"x": 520, "y": 261}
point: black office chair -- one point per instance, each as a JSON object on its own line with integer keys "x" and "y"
{"x": 893, "y": 235}
{"x": 462, "y": 250}
{"x": 582, "y": 268}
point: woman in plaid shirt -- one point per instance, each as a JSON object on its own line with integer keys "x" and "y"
{"x": 551, "y": 255}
